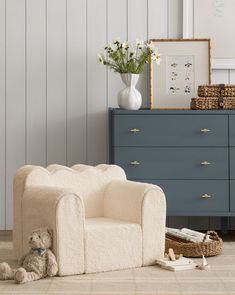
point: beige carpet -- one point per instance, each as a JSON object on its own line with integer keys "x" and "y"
{"x": 147, "y": 280}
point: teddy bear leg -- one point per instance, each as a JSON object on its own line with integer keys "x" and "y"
{"x": 6, "y": 272}
{"x": 22, "y": 276}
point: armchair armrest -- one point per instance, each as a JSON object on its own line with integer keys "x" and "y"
{"x": 62, "y": 211}
{"x": 140, "y": 203}
{"x": 124, "y": 199}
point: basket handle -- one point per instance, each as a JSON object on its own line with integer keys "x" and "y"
{"x": 212, "y": 233}
{"x": 221, "y": 88}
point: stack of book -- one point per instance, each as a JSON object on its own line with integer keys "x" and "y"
{"x": 182, "y": 263}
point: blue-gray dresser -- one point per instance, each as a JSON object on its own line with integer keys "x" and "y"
{"x": 190, "y": 154}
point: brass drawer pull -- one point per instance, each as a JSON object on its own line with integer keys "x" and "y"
{"x": 205, "y": 130}
{"x": 135, "y": 130}
{"x": 205, "y": 163}
{"x": 206, "y": 196}
{"x": 135, "y": 163}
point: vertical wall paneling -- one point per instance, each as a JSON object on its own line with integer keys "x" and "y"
{"x": 76, "y": 82}
{"x": 56, "y": 81}
{"x": 96, "y": 83}
{"x": 157, "y": 22}
{"x": 220, "y": 76}
{"x": 175, "y": 18}
{"x": 36, "y": 81}
{"x": 15, "y": 96}
{"x": 232, "y": 76}
{"x": 2, "y": 114}
{"x": 157, "y": 19}
{"x": 116, "y": 28}
{"x": 138, "y": 29}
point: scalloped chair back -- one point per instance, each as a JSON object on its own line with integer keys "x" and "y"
{"x": 87, "y": 181}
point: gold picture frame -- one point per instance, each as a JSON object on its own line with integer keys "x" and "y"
{"x": 197, "y": 61}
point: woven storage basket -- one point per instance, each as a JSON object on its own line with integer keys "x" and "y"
{"x": 189, "y": 249}
{"x": 213, "y": 103}
{"x": 216, "y": 90}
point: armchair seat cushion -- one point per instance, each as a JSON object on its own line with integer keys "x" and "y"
{"x": 102, "y": 235}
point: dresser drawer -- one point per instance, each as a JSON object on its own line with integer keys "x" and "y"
{"x": 172, "y": 163}
{"x": 232, "y": 162}
{"x": 232, "y": 130}
{"x": 195, "y": 195}
{"x": 232, "y": 195}
{"x": 170, "y": 130}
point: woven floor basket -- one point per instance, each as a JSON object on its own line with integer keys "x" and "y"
{"x": 216, "y": 90}
{"x": 213, "y": 103}
{"x": 189, "y": 249}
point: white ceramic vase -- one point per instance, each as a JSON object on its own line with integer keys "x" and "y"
{"x": 129, "y": 98}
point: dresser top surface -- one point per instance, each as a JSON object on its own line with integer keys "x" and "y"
{"x": 118, "y": 111}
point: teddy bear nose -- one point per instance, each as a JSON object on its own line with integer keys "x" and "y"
{"x": 31, "y": 238}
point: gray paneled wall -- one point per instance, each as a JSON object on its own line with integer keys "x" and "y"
{"x": 54, "y": 95}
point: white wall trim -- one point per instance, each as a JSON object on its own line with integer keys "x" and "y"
{"x": 188, "y": 32}
{"x": 223, "y": 63}
{"x": 188, "y": 19}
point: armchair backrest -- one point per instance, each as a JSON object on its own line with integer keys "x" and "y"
{"x": 87, "y": 181}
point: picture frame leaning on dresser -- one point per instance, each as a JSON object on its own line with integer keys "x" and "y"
{"x": 185, "y": 64}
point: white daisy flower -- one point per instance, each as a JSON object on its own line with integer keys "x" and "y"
{"x": 126, "y": 45}
{"x": 151, "y": 47}
{"x": 156, "y": 57}
{"x": 139, "y": 42}
{"x": 132, "y": 52}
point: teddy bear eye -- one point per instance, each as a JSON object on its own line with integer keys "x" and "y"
{"x": 39, "y": 236}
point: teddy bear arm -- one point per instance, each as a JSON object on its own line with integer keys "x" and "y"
{"x": 21, "y": 260}
{"x": 52, "y": 267}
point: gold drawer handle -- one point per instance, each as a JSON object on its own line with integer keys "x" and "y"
{"x": 205, "y": 130}
{"x": 205, "y": 163}
{"x": 135, "y": 163}
{"x": 206, "y": 196}
{"x": 135, "y": 130}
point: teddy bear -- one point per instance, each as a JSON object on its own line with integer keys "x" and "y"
{"x": 38, "y": 263}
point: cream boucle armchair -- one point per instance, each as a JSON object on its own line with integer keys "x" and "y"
{"x": 100, "y": 220}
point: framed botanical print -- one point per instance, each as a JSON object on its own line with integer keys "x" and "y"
{"x": 185, "y": 64}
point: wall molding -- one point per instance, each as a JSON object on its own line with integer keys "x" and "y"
{"x": 188, "y": 32}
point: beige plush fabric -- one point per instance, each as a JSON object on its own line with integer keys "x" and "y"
{"x": 60, "y": 210}
{"x": 100, "y": 220}
{"x": 101, "y": 250}
{"x": 144, "y": 204}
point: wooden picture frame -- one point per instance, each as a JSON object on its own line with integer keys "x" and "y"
{"x": 185, "y": 64}
{"x": 212, "y": 19}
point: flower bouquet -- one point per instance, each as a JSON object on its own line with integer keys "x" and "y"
{"x": 129, "y": 60}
